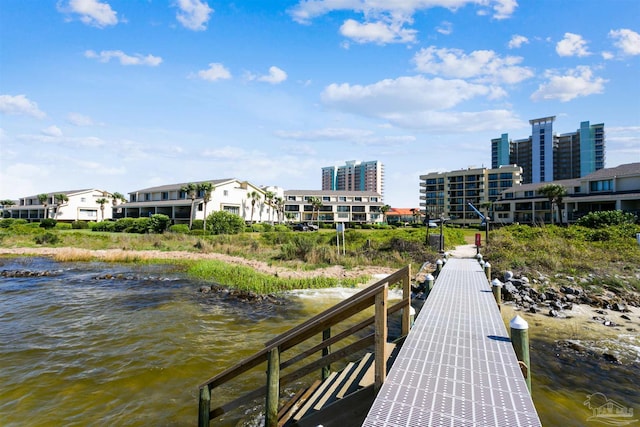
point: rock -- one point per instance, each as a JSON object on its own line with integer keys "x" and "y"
{"x": 610, "y": 358}
{"x": 609, "y": 323}
{"x": 508, "y": 275}
{"x": 554, "y": 313}
{"x": 534, "y": 309}
{"x": 555, "y": 304}
{"x": 625, "y": 317}
{"x": 509, "y": 291}
{"x": 620, "y": 307}
{"x": 204, "y": 289}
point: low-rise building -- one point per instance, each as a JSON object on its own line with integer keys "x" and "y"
{"x": 64, "y": 206}
{"x": 616, "y": 188}
{"x": 337, "y": 206}
{"x": 231, "y": 195}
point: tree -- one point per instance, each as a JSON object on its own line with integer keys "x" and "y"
{"x": 60, "y": 198}
{"x": 206, "y": 188}
{"x": 555, "y": 193}
{"x": 222, "y": 222}
{"x": 384, "y": 210}
{"x": 415, "y": 213}
{"x": 115, "y": 197}
{"x": 255, "y": 197}
{"x": 6, "y": 203}
{"x": 268, "y": 197}
{"x": 102, "y": 201}
{"x": 280, "y": 208}
{"x": 316, "y": 204}
{"x": 44, "y": 201}
{"x": 191, "y": 191}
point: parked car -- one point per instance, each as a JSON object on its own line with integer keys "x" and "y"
{"x": 305, "y": 226}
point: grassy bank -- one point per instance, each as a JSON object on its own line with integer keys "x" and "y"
{"x": 600, "y": 259}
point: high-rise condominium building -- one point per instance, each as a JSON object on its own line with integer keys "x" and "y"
{"x": 545, "y": 156}
{"x": 354, "y": 176}
{"x": 449, "y": 193}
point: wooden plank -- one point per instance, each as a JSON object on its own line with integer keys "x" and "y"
{"x": 358, "y": 371}
{"x": 287, "y": 406}
{"x": 369, "y": 376}
{"x": 317, "y": 395}
{"x": 381, "y": 338}
{"x": 242, "y": 367}
{"x": 286, "y": 417}
{"x": 331, "y": 391}
{"x": 273, "y": 388}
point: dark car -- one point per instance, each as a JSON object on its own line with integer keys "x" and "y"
{"x": 305, "y": 226}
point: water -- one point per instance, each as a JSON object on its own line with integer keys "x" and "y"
{"x": 80, "y": 349}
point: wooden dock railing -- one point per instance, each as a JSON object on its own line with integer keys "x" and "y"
{"x": 320, "y": 325}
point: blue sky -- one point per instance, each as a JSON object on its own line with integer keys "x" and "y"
{"x": 121, "y": 95}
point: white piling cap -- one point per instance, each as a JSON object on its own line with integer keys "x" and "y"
{"x": 478, "y": 256}
{"x": 487, "y": 265}
{"x": 481, "y": 263}
{"x": 496, "y": 282}
{"x": 518, "y": 323}
{"x": 412, "y": 311}
{"x": 439, "y": 262}
{"x": 429, "y": 277}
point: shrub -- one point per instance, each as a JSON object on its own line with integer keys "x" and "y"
{"x": 606, "y": 218}
{"x": 47, "y": 238}
{"x": 159, "y": 223}
{"x": 79, "y": 225}
{"x": 179, "y": 228}
{"x": 48, "y": 223}
{"x": 6, "y": 223}
{"x": 63, "y": 226}
{"x": 197, "y": 224}
{"x": 281, "y": 228}
{"x": 124, "y": 225}
{"x": 103, "y": 226}
{"x": 140, "y": 225}
{"x": 222, "y": 222}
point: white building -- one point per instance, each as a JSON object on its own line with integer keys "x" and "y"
{"x": 77, "y": 205}
{"x": 230, "y": 195}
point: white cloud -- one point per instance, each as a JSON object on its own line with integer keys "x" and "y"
{"x": 572, "y": 45}
{"x": 607, "y": 55}
{"x": 194, "y": 14}
{"x": 136, "y": 59}
{"x": 445, "y": 28}
{"x": 275, "y": 76}
{"x": 20, "y": 104}
{"x": 216, "y": 71}
{"x": 377, "y": 32}
{"x": 93, "y": 12}
{"x": 335, "y": 134}
{"x": 504, "y": 8}
{"x": 52, "y": 131}
{"x": 78, "y": 119}
{"x": 226, "y": 153}
{"x": 626, "y": 40}
{"x": 577, "y": 82}
{"x": 517, "y": 41}
{"x": 483, "y": 65}
{"x": 396, "y": 99}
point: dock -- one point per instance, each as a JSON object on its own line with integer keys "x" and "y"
{"x": 457, "y": 366}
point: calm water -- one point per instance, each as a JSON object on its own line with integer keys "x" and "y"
{"x": 78, "y": 349}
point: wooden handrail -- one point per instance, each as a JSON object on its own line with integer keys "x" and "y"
{"x": 373, "y": 295}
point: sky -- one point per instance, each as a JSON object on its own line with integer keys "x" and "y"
{"x": 121, "y": 95}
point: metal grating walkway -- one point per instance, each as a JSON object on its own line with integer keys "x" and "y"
{"x": 457, "y": 366}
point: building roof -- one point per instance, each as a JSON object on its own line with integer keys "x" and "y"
{"x": 169, "y": 187}
{"x": 67, "y": 193}
{"x": 628, "y": 169}
{"x": 402, "y": 211}
{"x": 331, "y": 193}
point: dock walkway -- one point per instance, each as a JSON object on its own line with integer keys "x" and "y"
{"x": 457, "y": 366}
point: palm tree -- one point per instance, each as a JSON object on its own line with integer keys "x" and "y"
{"x": 384, "y": 209}
{"x": 268, "y": 197}
{"x": 44, "y": 201}
{"x": 255, "y": 197}
{"x": 280, "y": 208}
{"x": 60, "y": 198}
{"x": 102, "y": 201}
{"x": 206, "y": 188}
{"x": 191, "y": 191}
{"x": 117, "y": 197}
{"x": 555, "y": 193}
{"x": 316, "y": 204}
{"x": 415, "y": 213}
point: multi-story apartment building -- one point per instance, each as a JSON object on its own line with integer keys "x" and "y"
{"x": 616, "y": 188}
{"x": 64, "y": 206}
{"x": 354, "y": 176}
{"x": 546, "y": 157}
{"x": 230, "y": 195}
{"x": 449, "y": 193}
{"x": 337, "y": 206}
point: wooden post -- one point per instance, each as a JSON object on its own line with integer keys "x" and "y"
{"x": 204, "y": 407}
{"x": 496, "y": 287}
{"x": 439, "y": 264}
{"x": 487, "y": 270}
{"x": 520, "y": 341}
{"x": 273, "y": 388}
{"x": 407, "y": 322}
{"x": 326, "y": 370}
{"x": 381, "y": 338}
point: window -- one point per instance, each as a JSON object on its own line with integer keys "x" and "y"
{"x": 604, "y": 185}
{"x": 357, "y": 199}
{"x": 165, "y": 195}
{"x": 84, "y": 199}
{"x": 147, "y": 197}
{"x": 326, "y": 198}
{"x": 88, "y": 213}
{"x": 373, "y": 199}
{"x": 291, "y": 198}
{"x": 225, "y": 193}
{"x": 231, "y": 209}
{"x": 343, "y": 209}
{"x": 358, "y": 209}
{"x": 528, "y": 194}
{"x": 291, "y": 208}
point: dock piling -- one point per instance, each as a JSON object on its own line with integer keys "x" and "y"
{"x": 520, "y": 341}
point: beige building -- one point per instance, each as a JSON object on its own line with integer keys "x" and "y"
{"x": 616, "y": 188}
{"x": 337, "y": 206}
{"x": 448, "y": 194}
